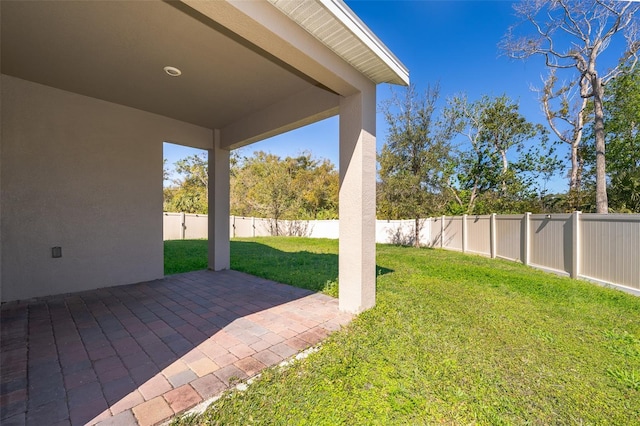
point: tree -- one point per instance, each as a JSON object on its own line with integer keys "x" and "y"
{"x": 264, "y": 182}
{"x": 492, "y": 128}
{"x": 190, "y": 193}
{"x": 622, "y": 134}
{"x": 413, "y": 159}
{"x": 317, "y": 187}
{"x": 261, "y": 185}
{"x": 265, "y": 185}
{"x": 475, "y": 167}
{"x": 566, "y": 120}
{"x": 573, "y": 35}
{"x": 622, "y": 128}
{"x": 505, "y": 128}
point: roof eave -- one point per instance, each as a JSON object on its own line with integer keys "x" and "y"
{"x": 389, "y": 69}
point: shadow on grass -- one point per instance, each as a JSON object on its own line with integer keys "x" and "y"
{"x": 299, "y": 268}
{"x": 313, "y": 271}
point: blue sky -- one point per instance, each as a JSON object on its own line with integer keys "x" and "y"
{"x": 453, "y": 43}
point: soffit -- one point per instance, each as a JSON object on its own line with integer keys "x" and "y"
{"x": 336, "y": 26}
{"x": 116, "y": 51}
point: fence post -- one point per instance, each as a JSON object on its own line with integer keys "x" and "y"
{"x": 464, "y": 233}
{"x": 442, "y": 231}
{"x": 526, "y": 238}
{"x": 233, "y": 226}
{"x": 183, "y": 225}
{"x": 492, "y": 236}
{"x": 575, "y": 244}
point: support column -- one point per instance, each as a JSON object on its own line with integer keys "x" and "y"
{"x": 357, "y": 208}
{"x": 218, "y": 200}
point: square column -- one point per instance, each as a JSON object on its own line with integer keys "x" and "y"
{"x": 357, "y": 209}
{"x": 218, "y": 200}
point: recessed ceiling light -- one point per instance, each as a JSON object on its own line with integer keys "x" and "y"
{"x": 172, "y": 71}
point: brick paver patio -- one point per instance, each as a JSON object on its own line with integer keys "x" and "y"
{"x": 139, "y": 354}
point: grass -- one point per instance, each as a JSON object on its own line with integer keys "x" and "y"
{"x": 453, "y": 339}
{"x": 184, "y": 256}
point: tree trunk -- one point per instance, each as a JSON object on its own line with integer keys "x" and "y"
{"x": 574, "y": 183}
{"x": 416, "y": 233}
{"x": 505, "y": 167}
{"x": 602, "y": 204}
{"x": 573, "y": 178}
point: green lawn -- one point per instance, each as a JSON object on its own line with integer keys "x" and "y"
{"x": 453, "y": 339}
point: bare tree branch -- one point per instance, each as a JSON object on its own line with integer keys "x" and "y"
{"x": 591, "y": 25}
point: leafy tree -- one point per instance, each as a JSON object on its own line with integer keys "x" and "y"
{"x": 317, "y": 186}
{"x": 622, "y": 129}
{"x": 573, "y": 35}
{"x": 485, "y": 180}
{"x": 413, "y": 160}
{"x": 262, "y": 185}
{"x": 190, "y": 192}
{"x": 265, "y": 185}
{"x": 263, "y": 182}
{"x": 535, "y": 167}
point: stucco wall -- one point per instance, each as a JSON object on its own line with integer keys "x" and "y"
{"x": 85, "y": 175}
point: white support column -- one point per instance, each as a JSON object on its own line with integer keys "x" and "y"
{"x": 575, "y": 244}
{"x": 218, "y": 199}
{"x": 357, "y": 247}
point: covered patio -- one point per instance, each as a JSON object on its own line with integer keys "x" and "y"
{"x": 90, "y": 91}
{"x": 140, "y": 353}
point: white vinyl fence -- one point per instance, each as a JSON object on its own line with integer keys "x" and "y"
{"x": 181, "y": 226}
{"x": 601, "y": 248}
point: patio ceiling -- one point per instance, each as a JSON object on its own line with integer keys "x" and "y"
{"x": 271, "y": 65}
{"x": 116, "y": 51}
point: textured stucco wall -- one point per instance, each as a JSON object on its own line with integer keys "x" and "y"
{"x": 85, "y": 175}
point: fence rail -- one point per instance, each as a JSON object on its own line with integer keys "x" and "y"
{"x": 601, "y": 248}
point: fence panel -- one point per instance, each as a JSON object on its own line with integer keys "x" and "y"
{"x": 196, "y": 226}
{"x": 243, "y": 227}
{"x": 324, "y": 229}
{"x": 435, "y": 232}
{"x": 453, "y": 233}
{"x": 550, "y": 241}
{"x": 509, "y": 237}
{"x": 263, "y": 227}
{"x": 610, "y": 248}
{"x": 478, "y": 234}
{"x": 172, "y": 226}
{"x": 402, "y": 231}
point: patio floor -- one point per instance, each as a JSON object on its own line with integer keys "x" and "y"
{"x": 140, "y": 353}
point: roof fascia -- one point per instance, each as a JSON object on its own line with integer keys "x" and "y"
{"x": 356, "y": 26}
